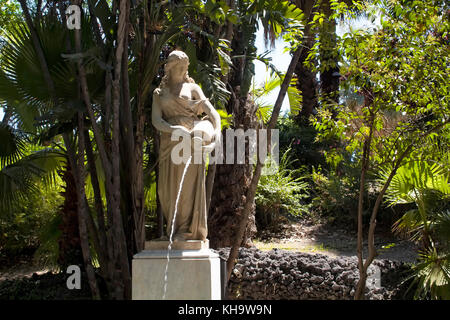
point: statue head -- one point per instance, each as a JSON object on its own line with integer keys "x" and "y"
{"x": 177, "y": 61}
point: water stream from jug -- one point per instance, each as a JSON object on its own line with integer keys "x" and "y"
{"x": 172, "y": 228}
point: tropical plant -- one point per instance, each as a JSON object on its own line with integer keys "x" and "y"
{"x": 22, "y": 166}
{"x": 282, "y": 193}
{"x": 268, "y": 86}
{"x": 29, "y": 226}
{"x": 425, "y": 184}
{"x": 29, "y": 198}
{"x": 90, "y": 96}
{"x": 232, "y": 181}
{"x": 399, "y": 71}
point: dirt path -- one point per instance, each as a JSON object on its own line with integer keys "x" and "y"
{"x": 24, "y": 267}
{"x": 317, "y": 237}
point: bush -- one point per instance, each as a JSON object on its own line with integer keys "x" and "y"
{"x": 336, "y": 195}
{"x": 281, "y": 194}
{"x": 303, "y": 144}
{"x": 31, "y": 224}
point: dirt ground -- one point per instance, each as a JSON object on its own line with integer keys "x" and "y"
{"x": 320, "y": 237}
{"x": 22, "y": 269}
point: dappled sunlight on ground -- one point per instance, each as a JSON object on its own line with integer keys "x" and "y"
{"x": 321, "y": 238}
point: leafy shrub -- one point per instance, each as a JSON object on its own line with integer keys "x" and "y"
{"x": 336, "y": 195}
{"x": 281, "y": 194}
{"x": 30, "y": 224}
{"x": 425, "y": 184}
{"x": 303, "y": 143}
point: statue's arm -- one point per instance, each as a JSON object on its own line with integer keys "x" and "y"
{"x": 208, "y": 108}
{"x": 157, "y": 120}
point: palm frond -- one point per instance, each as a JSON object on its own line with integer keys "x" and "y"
{"x": 17, "y": 180}
{"x": 415, "y": 179}
{"x": 432, "y": 275}
{"x": 13, "y": 145}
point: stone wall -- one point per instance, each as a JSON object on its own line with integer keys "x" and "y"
{"x": 280, "y": 274}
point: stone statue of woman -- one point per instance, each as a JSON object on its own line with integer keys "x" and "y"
{"x": 178, "y": 104}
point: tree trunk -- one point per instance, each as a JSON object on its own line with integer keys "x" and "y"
{"x": 329, "y": 76}
{"x": 306, "y": 79}
{"x": 83, "y": 211}
{"x": 250, "y": 195}
{"x": 69, "y": 242}
{"x": 306, "y": 83}
{"x": 231, "y": 181}
{"x": 230, "y": 186}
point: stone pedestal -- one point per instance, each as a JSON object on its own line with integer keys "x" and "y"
{"x": 193, "y": 274}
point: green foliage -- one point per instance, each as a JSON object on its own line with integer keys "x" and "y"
{"x": 336, "y": 195}
{"x": 399, "y": 78}
{"x": 427, "y": 185}
{"x": 302, "y": 139}
{"x": 24, "y": 89}
{"x": 416, "y": 182}
{"x": 9, "y": 15}
{"x": 398, "y": 74}
{"x": 19, "y": 175}
{"x": 270, "y": 84}
{"x": 432, "y": 275}
{"x": 28, "y": 223}
{"x": 225, "y": 119}
{"x": 13, "y": 145}
{"x": 281, "y": 194}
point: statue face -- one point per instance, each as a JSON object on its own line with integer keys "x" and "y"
{"x": 178, "y": 71}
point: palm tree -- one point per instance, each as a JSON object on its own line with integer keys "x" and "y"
{"x": 83, "y": 92}
{"x": 427, "y": 186}
{"x": 233, "y": 180}
{"x": 22, "y": 165}
{"x": 29, "y": 109}
{"x": 306, "y": 79}
{"x": 327, "y": 88}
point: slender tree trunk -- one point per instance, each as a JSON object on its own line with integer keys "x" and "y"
{"x": 210, "y": 184}
{"x": 372, "y": 253}
{"x": 364, "y": 168}
{"x": 83, "y": 212}
{"x": 69, "y": 247}
{"x": 159, "y": 215}
{"x": 250, "y": 196}
{"x": 118, "y": 227}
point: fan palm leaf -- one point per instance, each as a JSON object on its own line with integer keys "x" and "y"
{"x": 270, "y": 84}
{"x": 18, "y": 179}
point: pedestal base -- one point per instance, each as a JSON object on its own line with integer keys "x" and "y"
{"x": 192, "y": 275}
{"x": 177, "y": 245}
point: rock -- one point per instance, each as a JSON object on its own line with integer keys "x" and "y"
{"x": 336, "y": 287}
{"x": 281, "y": 274}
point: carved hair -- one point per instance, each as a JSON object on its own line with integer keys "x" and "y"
{"x": 175, "y": 57}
